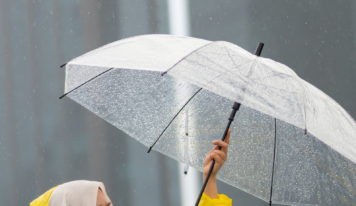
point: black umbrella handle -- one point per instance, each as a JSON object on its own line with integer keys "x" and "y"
{"x": 235, "y": 108}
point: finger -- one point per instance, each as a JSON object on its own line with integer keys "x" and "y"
{"x": 218, "y": 159}
{"x": 222, "y": 144}
{"x": 215, "y": 148}
{"x": 208, "y": 159}
{"x": 221, "y": 154}
{"x": 227, "y": 138}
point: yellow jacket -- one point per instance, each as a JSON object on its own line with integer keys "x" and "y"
{"x": 205, "y": 200}
{"x": 43, "y": 199}
{"x": 222, "y": 200}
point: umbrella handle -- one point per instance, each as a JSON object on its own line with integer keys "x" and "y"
{"x": 235, "y": 107}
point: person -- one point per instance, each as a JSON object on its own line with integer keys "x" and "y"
{"x": 92, "y": 193}
{"x": 210, "y": 196}
{"x": 79, "y": 192}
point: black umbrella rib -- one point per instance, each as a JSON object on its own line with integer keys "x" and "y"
{"x": 85, "y": 83}
{"x": 274, "y": 156}
{"x": 173, "y": 119}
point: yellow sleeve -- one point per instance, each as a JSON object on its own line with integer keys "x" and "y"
{"x": 43, "y": 199}
{"x": 222, "y": 200}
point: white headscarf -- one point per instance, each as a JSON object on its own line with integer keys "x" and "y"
{"x": 76, "y": 193}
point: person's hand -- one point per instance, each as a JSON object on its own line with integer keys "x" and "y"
{"x": 219, "y": 156}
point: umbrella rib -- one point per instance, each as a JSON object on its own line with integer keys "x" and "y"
{"x": 227, "y": 51}
{"x": 274, "y": 156}
{"x": 276, "y": 75}
{"x": 85, "y": 83}
{"x": 173, "y": 120}
{"x": 222, "y": 73}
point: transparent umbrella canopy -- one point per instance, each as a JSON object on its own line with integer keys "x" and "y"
{"x": 291, "y": 143}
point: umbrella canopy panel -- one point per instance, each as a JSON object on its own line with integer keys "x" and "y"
{"x": 151, "y": 52}
{"x": 308, "y": 172}
{"x": 140, "y": 103}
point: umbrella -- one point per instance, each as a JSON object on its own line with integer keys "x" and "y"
{"x": 292, "y": 143}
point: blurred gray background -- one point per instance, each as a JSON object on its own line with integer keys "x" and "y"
{"x": 45, "y": 141}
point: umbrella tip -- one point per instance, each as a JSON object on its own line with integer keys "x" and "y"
{"x": 62, "y": 96}
{"x": 63, "y": 65}
{"x": 259, "y": 49}
{"x": 149, "y": 150}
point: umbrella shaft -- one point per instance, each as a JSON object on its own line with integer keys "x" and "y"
{"x": 205, "y": 182}
{"x": 235, "y": 107}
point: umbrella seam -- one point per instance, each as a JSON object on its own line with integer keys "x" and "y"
{"x": 186, "y": 57}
